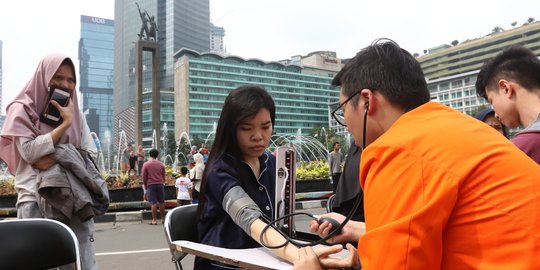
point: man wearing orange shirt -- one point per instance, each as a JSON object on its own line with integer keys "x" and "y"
{"x": 442, "y": 190}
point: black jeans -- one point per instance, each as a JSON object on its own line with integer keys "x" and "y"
{"x": 335, "y": 180}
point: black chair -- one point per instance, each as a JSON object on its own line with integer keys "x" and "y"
{"x": 330, "y": 203}
{"x": 180, "y": 224}
{"x": 37, "y": 243}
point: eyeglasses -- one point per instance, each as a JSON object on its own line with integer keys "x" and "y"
{"x": 338, "y": 112}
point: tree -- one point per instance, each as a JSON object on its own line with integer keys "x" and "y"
{"x": 497, "y": 29}
{"x": 529, "y": 21}
{"x": 455, "y": 42}
{"x": 329, "y": 138}
{"x": 513, "y": 24}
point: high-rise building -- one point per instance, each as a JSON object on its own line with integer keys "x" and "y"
{"x": 96, "y": 63}
{"x": 203, "y": 80}
{"x": 180, "y": 24}
{"x": 451, "y": 71}
{"x": 217, "y": 34}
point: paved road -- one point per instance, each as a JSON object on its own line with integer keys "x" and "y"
{"x": 135, "y": 245}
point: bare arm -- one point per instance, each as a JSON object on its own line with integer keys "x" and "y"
{"x": 246, "y": 214}
{"x": 291, "y": 253}
{"x": 274, "y": 238}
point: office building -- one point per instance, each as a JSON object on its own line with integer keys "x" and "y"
{"x": 180, "y": 23}
{"x": 203, "y": 80}
{"x": 451, "y": 71}
{"x": 216, "y": 39}
{"x": 96, "y": 63}
{"x": 324, "y": 63}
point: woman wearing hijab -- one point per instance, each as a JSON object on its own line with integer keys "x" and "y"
{"x": 487, "y": 116}
{"x": 27, "y": 145}
{"x": 196, "y": 174}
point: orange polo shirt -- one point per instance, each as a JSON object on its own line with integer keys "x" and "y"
{"x": 443, "y": 190}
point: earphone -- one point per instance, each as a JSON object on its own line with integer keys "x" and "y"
{"x": 336, "y": 226}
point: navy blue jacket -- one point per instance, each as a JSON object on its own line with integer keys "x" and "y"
{"x": 215, "y": 227}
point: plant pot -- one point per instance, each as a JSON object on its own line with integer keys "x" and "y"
{"x": 313, "y": 185}
{"x": 136, "y": 194}
{"x": 8, "y": 201}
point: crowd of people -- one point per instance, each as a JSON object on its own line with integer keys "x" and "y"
{"x": 433, "y": 188}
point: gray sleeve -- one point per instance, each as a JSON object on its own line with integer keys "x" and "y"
{"x": 241, "y": 208}
{"x": 31, "y": 150}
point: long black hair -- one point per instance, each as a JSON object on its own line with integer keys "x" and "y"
{"x": 241, "y": 103}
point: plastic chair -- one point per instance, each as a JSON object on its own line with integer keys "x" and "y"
{"x": 180, "y": 224}
{"x": 37, "y": 243}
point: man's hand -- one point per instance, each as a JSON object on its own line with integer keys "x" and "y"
{"x": 351, "y": 232}
{"x": 44, "y": 163}
{"x": 334, "y": 262}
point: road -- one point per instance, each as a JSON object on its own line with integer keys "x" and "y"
{"x": 135, "y": 245}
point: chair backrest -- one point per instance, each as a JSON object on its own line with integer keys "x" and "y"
{"x": 181, "y": 223}
{"x": 37, "y": 243}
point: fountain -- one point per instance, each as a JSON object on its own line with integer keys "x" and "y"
{"x": 121, "y": 135}
{"x": 5, "y": 174}
{"x": 154, "y": 139}
{"x": 307, "y": 148}
{"x": 107, "y": 142}
{"x": 100, "y": 160}
{"x": 213, "y": 132}
{"x": 165, "y": 140}
{"x": 325, "y": 136}
{"x": 169, "y": 158}
{"x": 179, "y": 151}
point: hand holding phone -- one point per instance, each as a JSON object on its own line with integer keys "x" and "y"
{"x": 51, "y": 115}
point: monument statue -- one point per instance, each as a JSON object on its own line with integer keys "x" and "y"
{"x": 152, "y": 30}
{"x": 148, "y": 27}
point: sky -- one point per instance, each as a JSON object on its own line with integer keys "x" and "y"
{"x": 269, "y": 30}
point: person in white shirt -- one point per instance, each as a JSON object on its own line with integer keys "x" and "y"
{"x": 184, "y": 187}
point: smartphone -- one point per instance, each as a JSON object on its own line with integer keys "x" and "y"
{"x": 50, "y": 114}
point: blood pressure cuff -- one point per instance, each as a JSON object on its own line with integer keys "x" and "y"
{"x": 241, "y": 208}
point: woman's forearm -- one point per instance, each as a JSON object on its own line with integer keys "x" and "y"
{"x": 274, "y": 238}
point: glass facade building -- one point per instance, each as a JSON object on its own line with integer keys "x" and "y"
{"x": 203, "y": 80}
{"x": 180, "y": 24}
{"x": 96, "y": 63}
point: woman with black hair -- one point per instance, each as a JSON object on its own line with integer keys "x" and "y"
{"x": 237, "y": 187}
